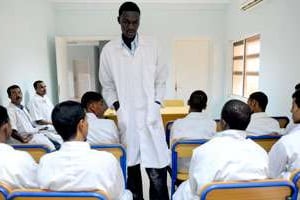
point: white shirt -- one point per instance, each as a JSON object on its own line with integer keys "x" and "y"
{"x": 284, "y": 156}
{"x": 40, "y": 108}
{"x": 76, "y": 167}
{"x": 17, "y": 168}
{"x": 101, "y": 131}
{"x": 196, "y": 125}
{"x": 262, "y": 124}
{"x": 137, "y": 81}
{"x": 228, "y": 156}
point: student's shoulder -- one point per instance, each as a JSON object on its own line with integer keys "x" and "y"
{"x": 102, "y": 155}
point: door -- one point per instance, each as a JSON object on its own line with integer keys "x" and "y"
{"x": 191, "y": 59}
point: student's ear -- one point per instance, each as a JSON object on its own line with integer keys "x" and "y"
{"x": 224, "y": 125}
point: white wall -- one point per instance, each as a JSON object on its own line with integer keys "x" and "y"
{"x": 278, "y": 23}
{"x": 166, "y": 22}
{"x": 26, "y": 46}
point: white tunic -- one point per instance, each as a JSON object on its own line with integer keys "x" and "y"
{"x": 17, "y": 168}
{"x": 137, "y": 81}
{"x": 101, "y": 131}
{"x": 76, "y": 167}
{"x": 196, "y": 125}
{"x": 20, "y": 120}
{"x": 40, "y": 108}
{"x": 284, "y": 156}
{"x": 262, "y": 124}
{"x": 227, "y": 156}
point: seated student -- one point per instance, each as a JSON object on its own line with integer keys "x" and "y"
{"x": 260, "y": 123}
{"x": 196, "y": 125}
{"x": 17, "y": 168}
{"x": 101, "y": 131}
{"x": 76, "y": 167}
{"x": 23, "y": 128}
{"x": 284, "y": 156}
{"x": 227, "y": 156}
{"x": 39, "y": 106}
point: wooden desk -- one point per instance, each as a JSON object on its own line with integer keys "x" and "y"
{"x": 167, "y": 113}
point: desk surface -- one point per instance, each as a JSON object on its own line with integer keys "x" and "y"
{"x": 168, "y": 113}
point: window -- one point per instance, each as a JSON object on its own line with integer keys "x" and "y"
{"x": 245, "y": 70}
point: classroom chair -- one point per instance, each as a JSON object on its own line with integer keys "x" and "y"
{"x": 118, "y": 151}
{"x": 265, "y": 141}
{"x": 182, "y": 149}
{"x": 295, "y": 177}
{"x": 173, "y": 103}
{"x": 282, "y": 120}
{"x": 35, "y": 150}
{"x": 4, "y": 190}
{"x": 268, "y": 189}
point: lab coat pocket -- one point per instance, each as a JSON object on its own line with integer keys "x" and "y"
{"x": 153, "y": 114}
{"x": 121, "y": 122}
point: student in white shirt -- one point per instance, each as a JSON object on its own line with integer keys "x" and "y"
{"x": 284, "y": 156}
{"x": 261, "y": 123}
{"x": 196, "y": 125}
{"x": 40, "y": 106}
{"x": 17, "y": 168}
{"x": 227, "y": 156}
{"x": 23, "y": 128}
{"x": 75, "y": 166}
{"x": 101, "y": 131}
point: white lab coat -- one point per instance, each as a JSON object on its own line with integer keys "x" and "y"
{"x": 228, "y": 156}
{"x": 137, "y": 82}
{"x": 284, "y": 156}
{"x": 262, "y": 124}
{"x": 17, "y": 168}
{"x": 196, "y": 125}
{"x": 21, "y": 121}
{"x": 101, "y": 131}
{"x": 76, "y": 167}
{"x": 40, "y": 108}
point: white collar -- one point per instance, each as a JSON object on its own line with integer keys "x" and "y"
{"x": 236, "y": 134}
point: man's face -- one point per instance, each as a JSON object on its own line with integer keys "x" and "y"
{"x": 16, "y": 96}
{"x": 295, "y": 110}
{"x": 129, "y": 22}
{"x": 41, "y": 89}
{"x": 99, "y": 108}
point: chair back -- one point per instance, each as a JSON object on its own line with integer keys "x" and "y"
{"x": 173, "y": 102}
{"x": 182, "y": 149}
{"x": 295, "y": 177}
{"x": 118, "y": 151}
{"x": 265, "y": 141}
{"x": 168, "y": 132}
{"x": 37, "y": 194}
{"x": 4, "y": 191}
{"x": 270, "y": 189}
{"x": 282, "y": 120}
{"x": 35, "y": 150}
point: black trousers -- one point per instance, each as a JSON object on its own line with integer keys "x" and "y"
{"x": 157, "y": 179}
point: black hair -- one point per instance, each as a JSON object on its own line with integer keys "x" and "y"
{"x": 296, "y": 96}
{"x": 3, "y": 116}
{"x": 236, "y": 114}
{"x": 297, "y": 87}
{"x": 35, "y": 84}
{"x": 129, "y": 6}
{"x": 90, "y": 97}
{"x": 11, "y": 88}
{"x": 261, "y": 98}
{"x": 65, "y": 118}
{"x": 198, "y": 100}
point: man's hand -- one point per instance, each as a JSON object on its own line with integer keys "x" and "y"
{"x": 26, "y": 138}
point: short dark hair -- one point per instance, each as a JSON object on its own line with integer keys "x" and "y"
{"x": 236, "y": 114}
{"x": 11, "y": 88}
{"x": 261, "y": 98}
{"x": 3, "y": 116}
{"x": 65, "y": 118}
{"x": 90, "y": 97}
{"x": 35, "y": 84}
{"x": 297, "y": 87}
{"x": 129, "y": 6}
{"x": 296, "y": 96}
{"x": 198, "y": 100}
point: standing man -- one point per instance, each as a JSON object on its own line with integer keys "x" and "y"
{"x": 133, "y": 84}
{"x": 40, "y": 107}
